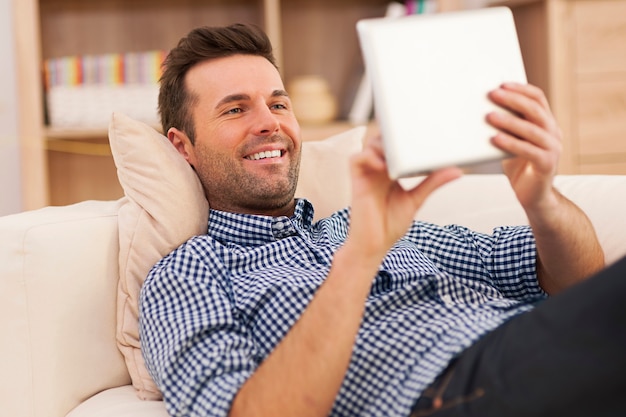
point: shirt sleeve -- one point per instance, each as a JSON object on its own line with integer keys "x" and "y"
{"x": 196, "y": 350}
{"x": 506, "y": 259}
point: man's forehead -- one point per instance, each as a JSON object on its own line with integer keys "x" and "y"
{"x": 235, "y": 69}
{"x": 212, "y": 81}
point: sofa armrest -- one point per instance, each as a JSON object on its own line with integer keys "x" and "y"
{"x": 58, "y": 282}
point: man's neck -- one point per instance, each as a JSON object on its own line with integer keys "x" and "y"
{"x": 286, "y": 210}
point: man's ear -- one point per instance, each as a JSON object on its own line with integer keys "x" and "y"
{"x": 181, "y": 142}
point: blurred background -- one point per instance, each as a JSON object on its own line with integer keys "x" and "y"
{"x": 68, "y": 63}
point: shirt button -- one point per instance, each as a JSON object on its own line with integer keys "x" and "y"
{"x": 279, "y": 226}
{"x": 447, "y": 300}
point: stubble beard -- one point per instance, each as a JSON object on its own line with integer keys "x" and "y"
{"x": 237, "y": 190}
{"x": 263, "y": 196}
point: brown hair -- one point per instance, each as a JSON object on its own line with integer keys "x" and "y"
{"x": 199, "y": 45}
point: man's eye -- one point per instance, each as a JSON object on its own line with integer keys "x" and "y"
{"x": 279, "y": 106}
{"x": 234, "y": 111}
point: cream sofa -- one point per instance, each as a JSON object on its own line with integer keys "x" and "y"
{"x": 59, "y": 276}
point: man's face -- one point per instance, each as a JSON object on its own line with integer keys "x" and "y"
{"x": 247, "y": 140}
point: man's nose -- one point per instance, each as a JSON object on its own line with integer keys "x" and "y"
{"x": 266, "y": 121}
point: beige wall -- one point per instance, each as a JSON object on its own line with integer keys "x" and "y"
{"x": 10, "y": 183}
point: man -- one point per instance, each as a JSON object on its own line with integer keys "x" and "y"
{"x": 271, "y": 315}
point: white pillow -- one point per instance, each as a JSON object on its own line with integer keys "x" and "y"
{"x": 165, "y": 205}
{"x": 325, "y": 171}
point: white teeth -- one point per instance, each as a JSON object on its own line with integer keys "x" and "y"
{"x": 266, "y": 154}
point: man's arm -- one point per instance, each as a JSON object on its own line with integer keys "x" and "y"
{"x": 303, "y": 375}
{"x": 567, "y": 247}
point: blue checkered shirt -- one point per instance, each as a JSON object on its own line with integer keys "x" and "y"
{"x": 213, "y": 309}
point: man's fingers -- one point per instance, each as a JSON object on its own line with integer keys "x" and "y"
{"x": 528, "y": 102}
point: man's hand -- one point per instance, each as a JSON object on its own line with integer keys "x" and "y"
{"x": 532, "y": 136}
{"x": 381, "y": 209}
{"x": 567, "y": 247}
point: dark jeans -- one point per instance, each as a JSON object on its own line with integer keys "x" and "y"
{"x": 566, "y": 358}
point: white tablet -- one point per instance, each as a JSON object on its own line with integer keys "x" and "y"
{"x": 430, "y": 76}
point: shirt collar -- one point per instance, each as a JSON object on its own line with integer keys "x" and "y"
{"x": 254, "y": 230}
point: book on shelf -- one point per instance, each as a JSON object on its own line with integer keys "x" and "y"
{"x": 82, "y": 91}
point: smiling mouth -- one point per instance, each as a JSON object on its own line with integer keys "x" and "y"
{"x": 265, "y": 155}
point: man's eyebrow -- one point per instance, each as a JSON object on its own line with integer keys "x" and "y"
{"x": 231, "y": 98}
{"x": 279, "y": 93}
{"x": 242, "y": 97}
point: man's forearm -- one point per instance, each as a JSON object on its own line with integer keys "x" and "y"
{"x": 567, "y": 246}
{"x": 302, "y": 376}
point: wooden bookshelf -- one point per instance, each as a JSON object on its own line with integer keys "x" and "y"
{"x": 574, "y": 50}
{"x": 62, "y": 166}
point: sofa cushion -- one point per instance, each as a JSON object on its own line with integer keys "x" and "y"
{"x": 165, "y": 205}
{"x": 57, "y": 315}
{"x": 119, "y": 402}
{"x": 483, "y": 202}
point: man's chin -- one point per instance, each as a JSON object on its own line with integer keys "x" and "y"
{"x": 270, "y": 204}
